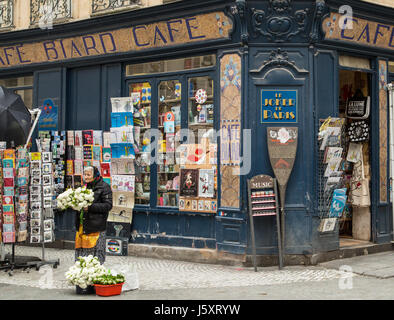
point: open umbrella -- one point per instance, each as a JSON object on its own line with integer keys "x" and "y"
{"x": 15, "y": 118}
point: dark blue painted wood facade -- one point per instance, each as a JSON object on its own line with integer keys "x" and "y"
{"x": 83, "y": 88}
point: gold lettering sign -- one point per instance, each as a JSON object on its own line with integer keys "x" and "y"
{"x": 197, "y": 28}
{"x": 362, "y": 32}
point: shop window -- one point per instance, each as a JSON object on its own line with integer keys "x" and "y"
{"x": 169, "y": 125}
{"x": 142, "y": 125}
{"x": 391, "y": 66}
{"x": 22, "y": 86}
{"x": 198, "y": 185}
{"x": 172, "y": 65}
{"x": 354, "y": 62}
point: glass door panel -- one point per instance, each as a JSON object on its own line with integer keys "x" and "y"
{"x": 142, "y": 125}
{"x": 169, "y": 124}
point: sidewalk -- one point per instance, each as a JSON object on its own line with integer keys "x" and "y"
{"x": 167, "y": 279}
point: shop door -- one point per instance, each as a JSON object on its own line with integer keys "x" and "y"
{"x": 285, "y": 82}
{"x": 89, "y": 92}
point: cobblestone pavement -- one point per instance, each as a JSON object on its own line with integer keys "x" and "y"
{"x": 158, "y": 274}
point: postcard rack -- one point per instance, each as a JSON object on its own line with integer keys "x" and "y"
{"x": 263, "y": 201}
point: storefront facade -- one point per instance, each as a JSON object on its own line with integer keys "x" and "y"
{"x": 237, "y": 51}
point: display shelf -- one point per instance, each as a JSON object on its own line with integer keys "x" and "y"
{"x": 208, "y": 98}
{"x": 170, "y": 101}
{"x": 262, "y": 208}
{"x": 262, "y": 189}
{"x": 264, "y": 214}
{"x": 267, "y": 201}
{"x": 264, "y": 196}
{"x": 202, "y": 124}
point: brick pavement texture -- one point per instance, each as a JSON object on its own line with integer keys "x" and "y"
{"x": 158, "y": 274}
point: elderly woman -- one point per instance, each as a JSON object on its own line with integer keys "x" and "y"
{"x": 92, "y": 222}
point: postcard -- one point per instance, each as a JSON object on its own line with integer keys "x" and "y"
{"x": 87, "y": 137}
{"x": 123, "y": 183}
{"x": 206, "y": 183}
{"x": 78, "y": 140}
{"x": 124, "y": 104}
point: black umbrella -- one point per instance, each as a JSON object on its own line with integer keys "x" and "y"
{"x": 15, "y": 118}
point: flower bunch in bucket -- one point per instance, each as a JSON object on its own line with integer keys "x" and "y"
{"x": 84, "y": 272}
{"x": 76, "y": 199}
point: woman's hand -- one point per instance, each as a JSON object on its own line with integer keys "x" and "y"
{"x": 85, "y": 209}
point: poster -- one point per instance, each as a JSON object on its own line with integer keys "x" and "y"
{"x": 49, "y": 116}
{"x": 189, "y": 183}
{"x": 206, "y": 183}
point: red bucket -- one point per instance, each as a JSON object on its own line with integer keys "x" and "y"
{"x": 108, "y": 289}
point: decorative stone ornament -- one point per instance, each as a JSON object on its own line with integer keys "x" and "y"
{"x": 279, "y": 23}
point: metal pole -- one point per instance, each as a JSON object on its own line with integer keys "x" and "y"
{"x": 278, "y": 227}
{"x": 38, "y": 113}
{"x": 282, "y": 190}
{"x": 251, "y": 221}
{"x": 390, "y": 88}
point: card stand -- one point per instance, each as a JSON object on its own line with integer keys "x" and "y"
{"x": 325, "y": 195}
{"x": 263, "y": 201}
{"x": 44, "y": 158}
{"x": 10, "y": 262}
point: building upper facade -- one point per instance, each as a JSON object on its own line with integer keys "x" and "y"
{"x": 25, "y": 14}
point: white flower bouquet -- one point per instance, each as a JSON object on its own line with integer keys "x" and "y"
{"x": 84, "y": 272}
{"x": 76, "y": 199}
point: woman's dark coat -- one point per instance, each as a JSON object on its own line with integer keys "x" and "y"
{"x": 95, "y": 219}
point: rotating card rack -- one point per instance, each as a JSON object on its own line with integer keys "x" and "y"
{"x": 263, "y": 201}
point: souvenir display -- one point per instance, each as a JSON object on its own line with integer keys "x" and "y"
{"x": 141, "y": 98}
{"x": 332, "y": 197}
{"x": 8, "y": 221}
{"x": 343, "y": 183}
{"x": 118, "y": 167}
{"x": 43, "y": 191}
{"x": 86, "y": 150}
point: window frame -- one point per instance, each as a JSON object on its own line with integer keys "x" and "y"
{"x": 183, "y": 77}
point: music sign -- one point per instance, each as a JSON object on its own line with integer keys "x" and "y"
{"x": 279, "y": 106}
